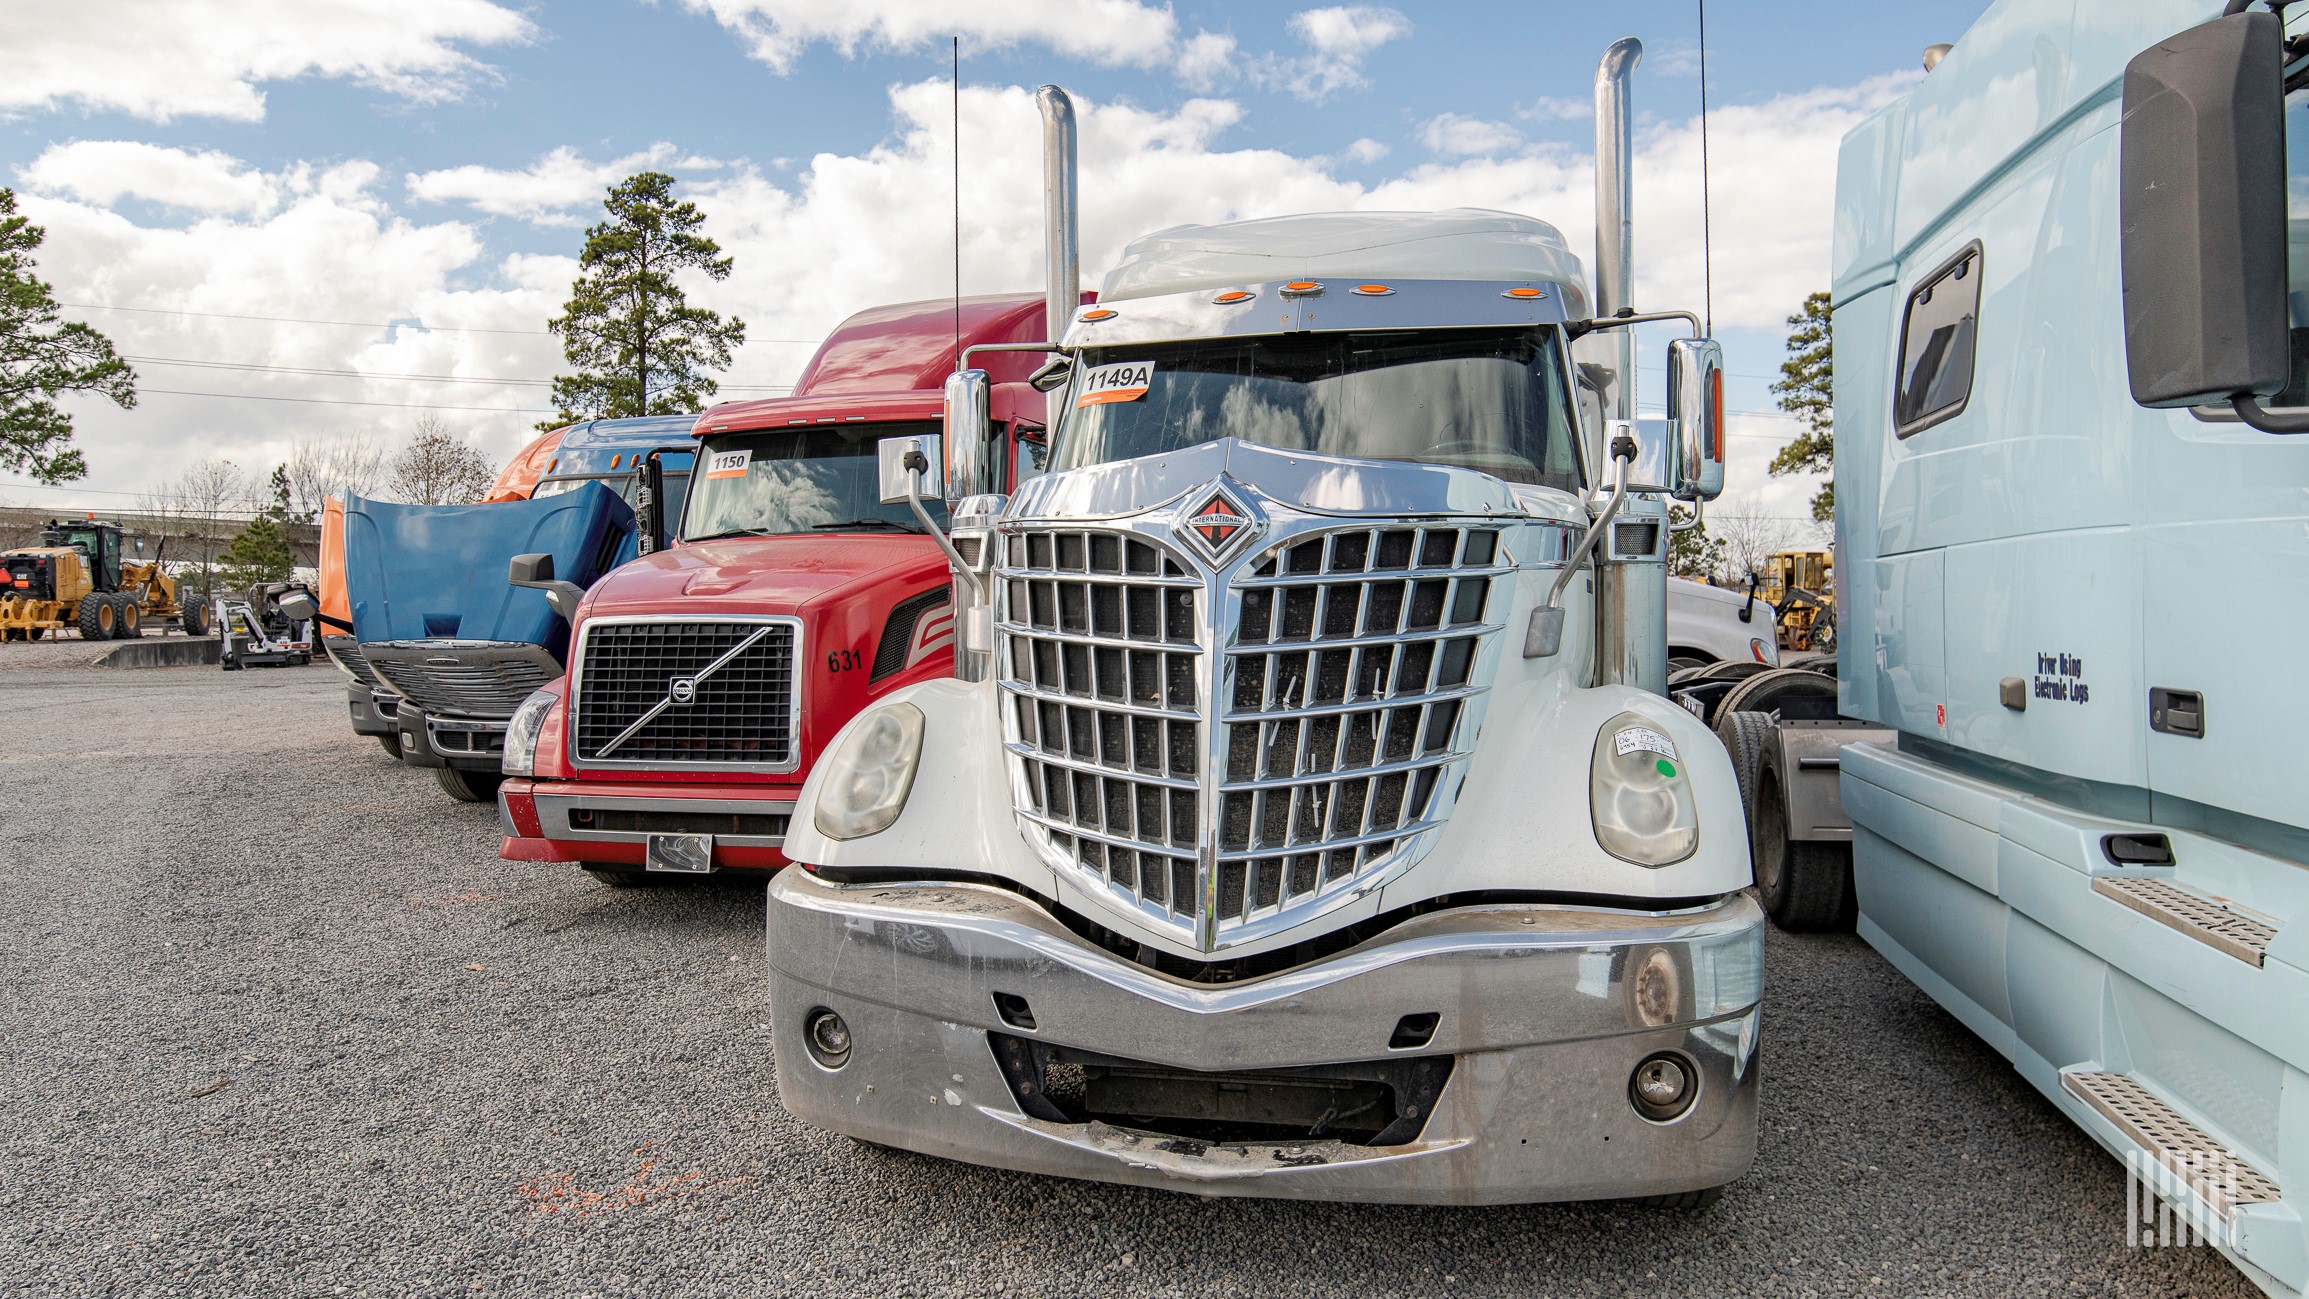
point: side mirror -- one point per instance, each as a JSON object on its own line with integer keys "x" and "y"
{"x": 1052, "y": 374}
{"x": 297, "y": 606}
{"x": 537, "y": 571}
{"x": 1695, "y": 419}
{"x": 897, "y": 484}
{"x": 969, "y": 421}
{"x": 1653, "y": 469}
{"x": 2201, "y": 207}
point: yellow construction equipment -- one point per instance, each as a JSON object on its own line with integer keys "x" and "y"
{"x": 77, "y": 578}
{"x": 1800, "y": 585}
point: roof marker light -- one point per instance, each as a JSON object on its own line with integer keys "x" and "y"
{"x": 797, "y": 421}
{"x": 1525, "y": 292}
{"x": 1233, "y": 296}
{"x": 1372, "y": 291}
{"x": 614, "y": 459}
{"x": 1303, "y": 289}
{"x": 1097, "y": 314}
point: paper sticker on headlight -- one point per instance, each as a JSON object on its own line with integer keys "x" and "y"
{"x": 1644, "y": 737}
{"x": 728, "y": 464}
{"x": 1122, "y": 381}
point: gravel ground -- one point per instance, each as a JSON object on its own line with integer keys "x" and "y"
{"x": 278, "y": 1021}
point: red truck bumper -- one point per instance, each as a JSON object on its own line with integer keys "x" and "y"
{"x": 609, "y": 824}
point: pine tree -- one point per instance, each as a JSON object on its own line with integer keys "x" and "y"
{"x": 43, "y": 357}
{"x": 262, "y": 552}
{"x": 637, "y": 345}
{"x": 1807, "y": 389}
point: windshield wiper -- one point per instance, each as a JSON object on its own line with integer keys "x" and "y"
{"x": 848, "y": 524}
{"x": 736, "y": 532}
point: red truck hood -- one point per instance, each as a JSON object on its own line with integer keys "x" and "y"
{"x": 764, "y": 574}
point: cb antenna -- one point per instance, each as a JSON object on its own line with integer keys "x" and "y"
{"x": 958, "y": 203}
{"x": 1707, "y": 252}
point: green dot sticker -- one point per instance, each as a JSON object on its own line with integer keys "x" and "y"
{"x": 1666, "y": 767}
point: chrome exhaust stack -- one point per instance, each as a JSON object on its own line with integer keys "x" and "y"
{"x": 1061, "y": 220}
{"x": 1631, "y": 582}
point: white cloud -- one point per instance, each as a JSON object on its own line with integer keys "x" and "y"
{"x": 1449, "y": 133}
{"x": 545, "y": 192}
{"x": 1552, "y": 108}
{"x": 1207, "y": 60}
{"x": 1108, "y": 32}
{"x": 1365, "y": 151}
{"x": 104, "y": 172}
{"x": 844, "y": 232}
{"x": 208, "y": 58}
{"x": 1339, "y": 39}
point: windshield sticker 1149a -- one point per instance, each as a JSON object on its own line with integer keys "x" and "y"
{"x": 1122, "y": 381}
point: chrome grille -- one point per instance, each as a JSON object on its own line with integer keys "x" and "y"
{"x": 740, "y": 712}
{"x": 1348, "y": 677}
{"x": 461, "y": 679}
{"x": 347, "y": 653}
{"x": 1102, "y": 665}
{"x": 1222, "y": 781}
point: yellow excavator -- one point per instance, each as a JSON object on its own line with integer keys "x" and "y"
{"x": 1800, "y": 585}
{"x": 78, "y": 579}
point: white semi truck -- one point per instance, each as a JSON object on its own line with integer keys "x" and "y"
{"x": 1305, "y": 818}
{"x": 2072, "y": 370}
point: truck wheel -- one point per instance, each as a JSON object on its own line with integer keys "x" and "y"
{"x": 468, "y": 786}
{"x": 193, "y": 616}
{"x": 97, "y": 617}
{"x": 1765, "y": 691}
{"x": 1804, "y": 886}
{"x": 391, "y": 743}
{"x": 130, "y": 619}
{"x": 1732, "y": 670}
{"x": 620, "y": 877}
{"x": 1744, "y": 735}
{"x": 1679, "y": 663}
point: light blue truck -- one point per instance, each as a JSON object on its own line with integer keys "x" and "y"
{"x": 2073, "y": 521}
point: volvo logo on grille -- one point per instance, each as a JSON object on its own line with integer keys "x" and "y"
{"x": 684, "y": 690}
{"x": 1218, "y": 522}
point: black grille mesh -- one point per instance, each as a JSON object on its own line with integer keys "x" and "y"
{"x": 898, "y": 630}
{"x": 742, "y": 714}
{"x": 475, "y": 687}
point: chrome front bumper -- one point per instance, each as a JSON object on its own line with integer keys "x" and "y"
{"x": 1537, "y": 1010}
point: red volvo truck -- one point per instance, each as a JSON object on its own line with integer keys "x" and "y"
{"x": 704, "y": 679}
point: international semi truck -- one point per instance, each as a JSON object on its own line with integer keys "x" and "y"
{"x": 1303, "y": 818}
{"x": 2071, "y": 322}
{"x": 437, "y": 650}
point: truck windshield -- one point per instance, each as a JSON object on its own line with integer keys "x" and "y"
{"x": 821, "y": 478}
{"x": 1488, "y": 399}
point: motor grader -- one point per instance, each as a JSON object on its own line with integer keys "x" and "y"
{"x": 77, "y": 578}
{"x": 1800, "y": 587}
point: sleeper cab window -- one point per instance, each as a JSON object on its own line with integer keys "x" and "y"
{"x": 1937, "y": 337}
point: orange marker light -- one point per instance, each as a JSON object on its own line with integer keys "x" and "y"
{"x": 1098, "y": 313}
{"x": 1716, "y": 414}
{"x": 1233, "y": 296}
{"x": 614, "y": 459}
{"x": 1302, "y": 289}
{"x": 1524, "y": 293}
{"x": 1372, "y": 291}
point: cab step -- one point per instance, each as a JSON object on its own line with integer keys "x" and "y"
{"x": 2210, "y": 1169}
{"x": 2220, "y": 927}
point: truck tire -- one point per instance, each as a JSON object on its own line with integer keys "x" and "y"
{"x": 98, "y": 617}
{"x": 1679, "y": 663}
{"x": 620, "y": 877}
{"x": 1690, "y": 1200}
{"x": 468, "y": 786}
{"x": 1732, "y": 670}
{"x": 130, "y": 619}
{"x": 391, "y": 742}
{"x": 1804, "y": 886}
{"x": 1745, "y": 735}
{"x": 1765, "y": 691}
{"x": 194, "y": 617}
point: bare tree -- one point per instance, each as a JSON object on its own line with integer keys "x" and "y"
{"x": 1750, "y": 534}
{"x": 319, "y": 470}
{"x": 205, "y": 501}
{"x": 439, "y": 468}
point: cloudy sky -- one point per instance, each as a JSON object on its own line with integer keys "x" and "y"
{"x": 329, "y": 218}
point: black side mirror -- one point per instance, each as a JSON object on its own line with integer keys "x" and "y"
{"x": 1052, "y": 374}
{"x": 2202, "y": 209}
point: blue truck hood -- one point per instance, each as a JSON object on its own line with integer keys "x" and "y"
{"x": 415, "y": 572}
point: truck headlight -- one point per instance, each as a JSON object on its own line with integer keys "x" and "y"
{"x": 1639, "y": 794}
{"x": 870, "y": 775}
{"x": 521, "y": 733}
